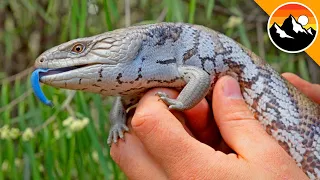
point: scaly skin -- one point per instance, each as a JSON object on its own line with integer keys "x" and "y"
{"x": 191, "y": 58}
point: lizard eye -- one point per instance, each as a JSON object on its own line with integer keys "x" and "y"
{"x": 78, "y": 48}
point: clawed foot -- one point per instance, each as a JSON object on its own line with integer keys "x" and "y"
{"x": 116, "y": 132}
{"x": 172, "y": 103}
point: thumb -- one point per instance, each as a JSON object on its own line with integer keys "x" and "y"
{"x": 238, "y": 126}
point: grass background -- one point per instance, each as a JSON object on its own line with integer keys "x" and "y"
{"x": 37, "y": 142}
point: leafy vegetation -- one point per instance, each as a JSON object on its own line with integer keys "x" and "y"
{"x": 69, "y": 140}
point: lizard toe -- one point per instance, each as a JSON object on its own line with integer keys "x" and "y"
{"x": 168, "y": 101}
{"x": 117, "y": 131}
{"x": 161, "y": 94}
{"x": 176, "y": 106}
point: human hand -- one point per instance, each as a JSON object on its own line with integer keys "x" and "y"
{"x": 307, "y": 88}
{"x": 160, "y": 147}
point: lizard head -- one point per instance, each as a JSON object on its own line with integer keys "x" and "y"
{"x": 109, "y": 48}
{"x": 81, "y": 60}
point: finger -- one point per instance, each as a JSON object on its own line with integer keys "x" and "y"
{"x": 178, "y": 114}
{"x": 164, "y": 136}
{"x": 133, "y": 159}
{"x": 307, "y": 88}
{"x": 183, "y": 120}
{"x": 240, "y": 130}
{"x": 200, "y": 121}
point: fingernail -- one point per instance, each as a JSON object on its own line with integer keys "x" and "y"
{"x": 231, "y": 89}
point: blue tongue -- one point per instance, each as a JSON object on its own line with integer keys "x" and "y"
{"x": 35, "y": 82}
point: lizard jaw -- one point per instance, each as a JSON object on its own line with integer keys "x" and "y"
{"x": 60, "y": 70}
{"x": 55, "y": 76}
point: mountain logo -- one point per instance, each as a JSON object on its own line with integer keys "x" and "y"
{"x": 292, "y": 27}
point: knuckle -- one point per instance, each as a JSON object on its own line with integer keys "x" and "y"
{"x": 144, "y": 123}
{"x": 237, "y": 110}
{"x": 140, "y": 118}
{"x": 240, "y": 114}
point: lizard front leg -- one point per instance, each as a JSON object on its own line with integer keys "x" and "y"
{"x": 118, "y": 119}
{"x": 197, "y": 87}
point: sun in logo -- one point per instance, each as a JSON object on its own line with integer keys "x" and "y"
{"x": 292, "y": 27}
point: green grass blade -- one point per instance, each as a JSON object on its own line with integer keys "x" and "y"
{"x": 303, "y": 69}
{"x": 192, "y": 10}
{"x": 1, "y": 161}
{"x": 32, "y": 159}
{"x": 244, "y": 37}
{"x": 74, "y": 19}
{"x": 93, "y": 135}
{"x": 71, "y": 148}
{"x": 210, "y": 6}
{"x": 4, "y": 101}
{"x": 107, "y": 15}
{"x": 178, "y": 12}
{"x": 83, "y": 18}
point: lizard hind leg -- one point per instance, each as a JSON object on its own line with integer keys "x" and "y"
{"x": 118, "y": 119}
{"x": 197, "y": 87}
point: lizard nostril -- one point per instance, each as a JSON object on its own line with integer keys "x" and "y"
{"x": 41, "y": 59}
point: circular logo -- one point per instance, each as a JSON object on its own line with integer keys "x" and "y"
{"x": 292, "y": 27}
